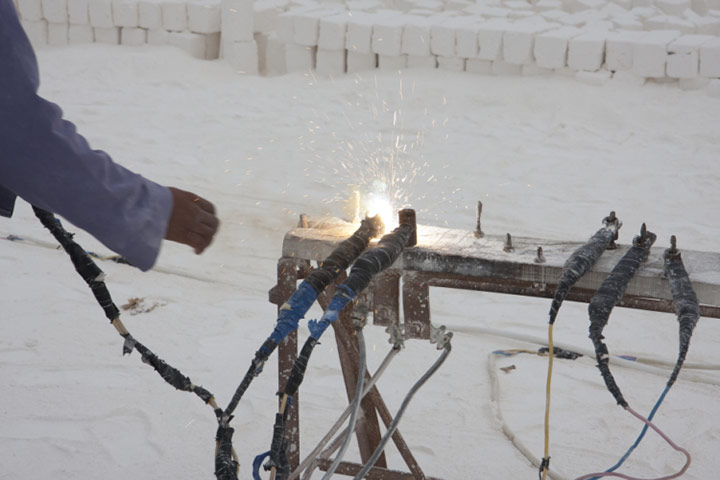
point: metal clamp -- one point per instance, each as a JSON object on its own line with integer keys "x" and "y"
{"x": 439, "y": 336}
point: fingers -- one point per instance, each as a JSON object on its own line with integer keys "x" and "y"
{"x": 204, "y": 205}
{"x": 192, "y": 221}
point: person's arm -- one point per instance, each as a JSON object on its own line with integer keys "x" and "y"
{"x": 46, "y": 162}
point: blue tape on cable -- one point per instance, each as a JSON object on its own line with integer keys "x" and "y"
{"x": 343, "y": 296}
{"x": 293, "y": 310}
{"x": 257, "y": 463}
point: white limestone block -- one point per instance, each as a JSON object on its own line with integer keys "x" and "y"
{"x": 237, "y": 21}
{"x": 306, "y": 25}
{"x": 243, "y": 57}
{"x": 642, "y": 3}
{"x": 416, "y": 36}
{"x": 587, "y": 51}
{"x": 708, "y": 25}
{"x": 551, "y": 47}
{"x": 271, "y": 54}
{"x": 554, "y": 15}
{"x": 684, "y": 56}
{"x": 432, "y": 5}
{"x": 107, "y": 35}
{"x": 650, "y": 53}
{"x": 133, "y": 36}
{"x": 490, "y": 37}
{"x": 265, "y": 13}
{"x": 358, "y": 62}
{"x": 37, "y": 32}
{"x": 206, "y": 46}
{"x": 710, "y": 59}
{"x": 547, "y": 5}
{"x": 624, "y": 4}
{"x": 535, "y": 71}
{"x": 204, "y": 16}
{"x": 332, "y": 32}
{"x": 212, "y": 45}
{"x": 503, "y": 68}
{"x": 285, "y": 27}
{"x": 466, "y": 39}
{"x": 57, "y": 33}
{"x": 31, "y": 11}
{"x": 476, "y": 65}
{"x": 55, "y": 11}
{"x": 80, "y": 34}
{"x": 331, "y": 62}
{"x": 158, "y": 37}
{"x": 422, "y": 61}
{"x": 580, "y": 5}
{"x": 174, "y": 14}
{"x": 453, "y": 64}
{"x": 364, "y": 6}
{"x": 125, "y": 13}
{"x": 627, "y": 22}
{"x": 78, "y": 12}
{"x": 673, "y": 7}
{"x": 582, "y": 18}
{"x": 517, "y": 4}
{"x": 700, "y": 6}
{"x": 666, "y": 22}
{"x": 519, "y": 41}
{"x": 387, "y": 36}
{"x": 643, "y": 13}
{"x": 359, "y": 35}
{"x": 442, "y": 34}
{"x": 619, "y": 48}
{"x": 392, "y": 63}
{"x": 299, "y": 58}
{"x": 150, "y": 14}
{"x": 451, "y": 5}
{"x": 100, "y": 14}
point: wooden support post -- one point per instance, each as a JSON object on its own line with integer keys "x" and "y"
{"x": 386, "y": 298}
{"x": 287, "y": 274}
{"x": 416, "y": 306}
{"x": 367, "y": 429}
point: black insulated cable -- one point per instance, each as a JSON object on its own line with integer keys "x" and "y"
{"x": 583, "y": 259}
{"x": 685, "y": 301}
{"x": 609, "y": 294}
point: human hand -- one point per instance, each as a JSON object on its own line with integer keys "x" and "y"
{"x": 192, "y": 221}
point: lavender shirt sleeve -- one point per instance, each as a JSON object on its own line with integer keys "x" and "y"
{"x": 46, "y": 162}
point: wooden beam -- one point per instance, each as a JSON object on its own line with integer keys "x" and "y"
{"x": 459, "y": 255}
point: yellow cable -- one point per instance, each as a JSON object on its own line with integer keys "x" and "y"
{"x": 551, "y": 351}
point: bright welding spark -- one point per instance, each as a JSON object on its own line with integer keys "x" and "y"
{"x": 379, "y": 167}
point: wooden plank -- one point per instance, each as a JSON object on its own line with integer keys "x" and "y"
{"x": 457, "y": 253}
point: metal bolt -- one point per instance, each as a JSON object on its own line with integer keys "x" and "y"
{"x": 303, "y": 222}
{"x": 540, "y": 257}
{"x": 508, "y": 244}
{"x": 407, "y": 216}
{"x": 478, "y": 230}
